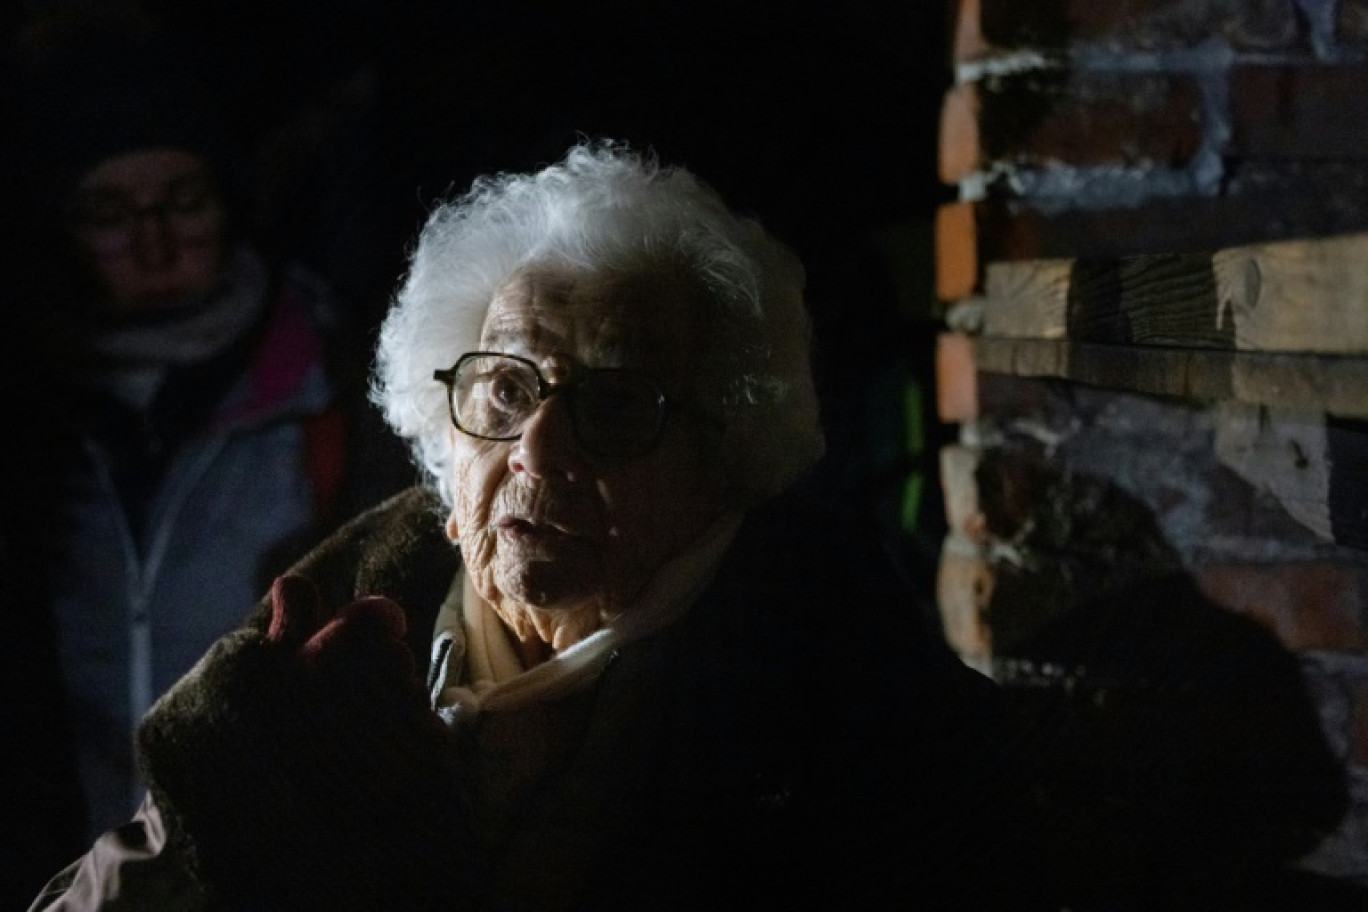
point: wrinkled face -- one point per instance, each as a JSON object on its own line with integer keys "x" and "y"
{"x": 150, "y": 224}
{"x": 555, "y": 537}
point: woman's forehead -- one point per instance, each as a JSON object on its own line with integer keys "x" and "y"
{"x": 143, "y": 169}
{"x": 590, "y": 317}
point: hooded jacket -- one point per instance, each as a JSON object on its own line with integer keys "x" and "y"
{"x": 177, "y": 516}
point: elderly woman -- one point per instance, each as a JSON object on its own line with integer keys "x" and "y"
{"x": 663, "y": 675}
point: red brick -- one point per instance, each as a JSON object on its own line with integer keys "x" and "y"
{"x": 1094, "y": 119}
{"x": 1308, "y": 112}
{"x": 956, "y": 378}
{"x": 968, "y": 42}
{"x": 1139, "y": 24}
{"x": 960, "y": 154}
{"x": 1351, "y": 22}
{"x": 1015, "y": 24}
{"x": 1261, "y": 201}
{"x": 1261, "y": 24}
{"x": 957, "y": 256}
{"x": 1309, "y": 605}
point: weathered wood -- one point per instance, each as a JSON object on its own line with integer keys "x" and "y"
{"x": 1334, "y": 385}
{"x": 1306, "y": 296}
{"x": 1288, "y": 296}
{"x": 1284, "y": 455}
{"x": 1027, "y": 299}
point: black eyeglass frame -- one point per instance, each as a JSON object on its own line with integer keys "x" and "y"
{"x": 665, "y": 405}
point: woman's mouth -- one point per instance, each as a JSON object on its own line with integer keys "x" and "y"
{"x": 522, "y": 528}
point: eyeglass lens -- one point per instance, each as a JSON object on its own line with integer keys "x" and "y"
{"x": 613, "y": 412}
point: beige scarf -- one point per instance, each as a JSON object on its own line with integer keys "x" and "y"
{"x": 476, "y": 669}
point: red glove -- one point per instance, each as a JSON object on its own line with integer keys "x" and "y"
{"x": 304, "y": 768}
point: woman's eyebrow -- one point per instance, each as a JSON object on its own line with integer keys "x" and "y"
{"x": 521, "y": 336}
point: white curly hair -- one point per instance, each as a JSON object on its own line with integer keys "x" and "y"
{"x": 608, "y": 207}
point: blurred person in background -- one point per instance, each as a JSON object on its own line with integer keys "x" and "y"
{"x": 202, "y": 415}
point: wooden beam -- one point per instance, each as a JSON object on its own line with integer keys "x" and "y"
{"x": 1333, "y": 385}
{"x": 1317, "y": 469}
{"x": 1308, "y": 296}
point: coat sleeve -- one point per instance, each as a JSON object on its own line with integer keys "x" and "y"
{"x": 395, "y": 547}
{"x": 127, "y": 869}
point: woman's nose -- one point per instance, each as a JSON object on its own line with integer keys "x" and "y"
{"x": 548, "y": 446}
{"x": 154, "y": 243}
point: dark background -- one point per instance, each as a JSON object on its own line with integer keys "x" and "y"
{"x": 821, "y": 122}
{"x": 357, "y": 113}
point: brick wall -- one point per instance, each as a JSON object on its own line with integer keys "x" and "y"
{"x": 1155, "y": 287}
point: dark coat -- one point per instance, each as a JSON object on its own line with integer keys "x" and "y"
{"x": 803, "y": 735}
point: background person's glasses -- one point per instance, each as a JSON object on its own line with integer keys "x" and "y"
{"x": 612, "y": 412}
{"x": 109, "y": 222}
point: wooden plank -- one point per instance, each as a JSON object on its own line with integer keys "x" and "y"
{"x": 1315, "y": 467}
{"x": 1306, "y": 296}
{"x": 1283, "y": 455}
{"x": 1021, "y": 357}
{"x": 1334, "y": 385}
{"x": 1309, "y": 296}
{"x": 1027, "y": 299}
{"x": 1161, "y": 299}
{"x": 1338, "y": 386}
{"x": 1169, "y": 299}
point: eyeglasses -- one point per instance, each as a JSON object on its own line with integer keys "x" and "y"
{"x": 613, "y": 412}
{"x": 109, "y": 221}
